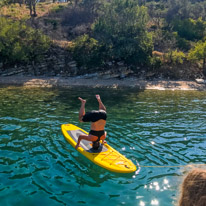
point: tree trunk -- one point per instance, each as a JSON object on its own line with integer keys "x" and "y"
{"x": 30, "y": 7}
{"x": 34, "y": 8}
{"x": 75, "y": 3}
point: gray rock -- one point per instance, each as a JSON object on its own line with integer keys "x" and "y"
{"x": 12, "y": 73}
{"x": 72, "y": 64}
{"x": 122, "y": 76}
{"x": 120, "y": 63}
{"x": 88, "y": 76}
{"x": 110, "y": 76}
{"x": 200, "y": 81}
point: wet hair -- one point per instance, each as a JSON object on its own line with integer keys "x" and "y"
{"x": 95, "y": 145}
{"x": 193, "y": 189}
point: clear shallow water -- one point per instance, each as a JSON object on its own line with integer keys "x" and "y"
{"x": 162, "y": 129}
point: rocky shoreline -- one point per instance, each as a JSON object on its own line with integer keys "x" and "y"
{"x": 132, "y": 82}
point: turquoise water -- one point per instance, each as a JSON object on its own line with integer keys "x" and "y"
{"x": 165, "y": 130}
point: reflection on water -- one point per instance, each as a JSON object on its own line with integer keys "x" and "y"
{"x": 162, "y": 131}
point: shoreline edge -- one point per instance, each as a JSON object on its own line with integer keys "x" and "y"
{"x": 132, "y": 82}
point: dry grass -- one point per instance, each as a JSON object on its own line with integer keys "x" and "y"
{"x": 16, "y": 12}
{"x": 63, "y": 44}
{"x": 45, "y": 9}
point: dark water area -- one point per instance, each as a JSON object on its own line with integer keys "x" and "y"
{"x": 162, "y": 131}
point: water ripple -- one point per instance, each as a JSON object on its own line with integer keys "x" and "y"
{"x": 160, "y": 131}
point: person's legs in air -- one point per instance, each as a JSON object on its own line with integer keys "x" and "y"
{"x": 82, "y": 108}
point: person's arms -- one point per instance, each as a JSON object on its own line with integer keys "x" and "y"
{"x": 101, "y": 105}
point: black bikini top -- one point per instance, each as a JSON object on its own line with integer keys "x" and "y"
{"x": 94, "y": 116}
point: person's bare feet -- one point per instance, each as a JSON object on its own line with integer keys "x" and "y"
{"x": 83, "y": 101}
{"x": 76, "y": 147}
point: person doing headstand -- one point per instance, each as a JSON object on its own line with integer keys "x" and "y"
{"x": 98, "y": 122}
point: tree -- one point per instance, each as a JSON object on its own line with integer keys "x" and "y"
{"x": 32, "y": 7}
{"x": 178, "y": 9}
{"x": 121, "y": 30}
{"x": 198, "y": 53}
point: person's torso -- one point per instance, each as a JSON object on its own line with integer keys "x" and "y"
{"x": 98, "y": 125}
{"x": 97, "y": 119}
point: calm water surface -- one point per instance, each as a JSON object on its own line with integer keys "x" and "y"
{"x": 162, "y": 131}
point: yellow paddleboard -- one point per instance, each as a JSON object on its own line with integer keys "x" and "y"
{"x": 105, "y": 156}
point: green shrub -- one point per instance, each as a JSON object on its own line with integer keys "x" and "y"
{"x": 20, "y": 43}
{"x": 183, "y": 44}
{"x": 175, "y": 57}
{"x": 198, "y": 54}
{"x": 53, "y": 22}
{"x": 86, "y": 51}
{"x": 190, "y": 29}
{"x": 156, "y": 62}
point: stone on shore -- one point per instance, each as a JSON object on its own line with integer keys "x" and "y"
{"x": 200, "y": 81}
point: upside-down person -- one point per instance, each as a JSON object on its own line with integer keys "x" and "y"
{"x": 98, "y": 122}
